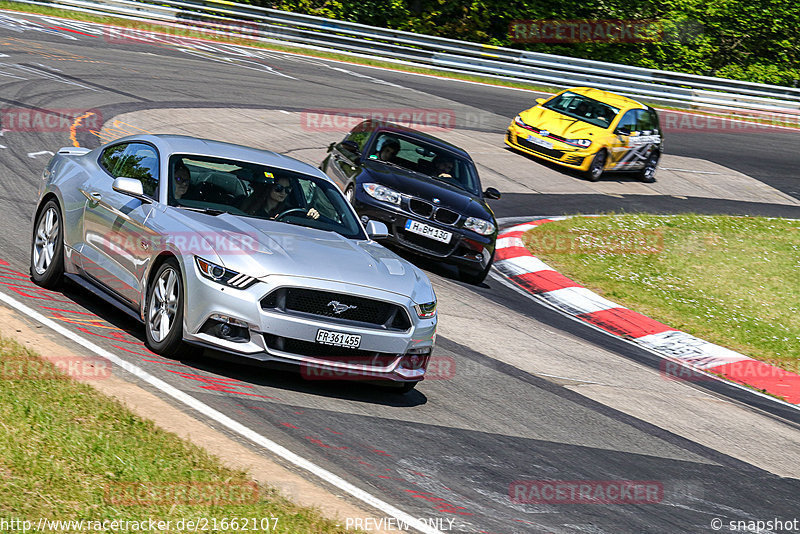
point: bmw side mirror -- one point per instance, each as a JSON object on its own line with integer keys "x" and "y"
{"x": 377, "y": 230}
{"x": 131, "y": 187}
{"x": 330, "y": 146}
{"x": 491, "y": 193}
{"x": 352, "y": 147}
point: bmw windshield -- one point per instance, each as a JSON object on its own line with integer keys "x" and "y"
{"x": 216, "y": 185}
{"x": 428, "y": 159}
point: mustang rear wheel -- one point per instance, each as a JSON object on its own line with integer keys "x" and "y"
{"x": 164, "y": 311}
{"x": 47, "y": 250}
{"x": 597, "y": 166}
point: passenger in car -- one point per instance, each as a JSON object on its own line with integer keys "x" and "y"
{"x": 181, "y": 182}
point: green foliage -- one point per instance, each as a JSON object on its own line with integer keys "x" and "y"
{"x": 757, "y": 41}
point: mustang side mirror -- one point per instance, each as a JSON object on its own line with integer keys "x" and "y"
{"x": 491, "y": 193}
{"x": 131, "y": 187}
{"x": 377, "y": 230}
{"x": 351, "y": 146}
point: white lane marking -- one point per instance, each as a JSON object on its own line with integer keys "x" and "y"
{"x": 535, "y": 298}
{"x": 522, "y": 265}
{"x": 33, "y": 155}
{"x": 224, "y": 420}
{"x": 3, "y": 146}
{"x": 578, "y": 300}
{"x": 284, "y": 111}
{"x": 686, "y": 170}
{"x": 688, "y": 348}
{"x": 241, "y": 62}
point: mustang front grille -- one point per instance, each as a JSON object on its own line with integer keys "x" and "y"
{"x": 338, "y": 307}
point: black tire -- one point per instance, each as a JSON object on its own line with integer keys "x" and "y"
{"x": 648, "y": 173}
{"x": 403, "y": 387}
{"x": 47, "y": 247}
{"x": 475, "y": 277}
{"x": 596, "y": 168}
{"x": 165, "y": 298}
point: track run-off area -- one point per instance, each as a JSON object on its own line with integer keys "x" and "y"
{"x": 520, "y": 396}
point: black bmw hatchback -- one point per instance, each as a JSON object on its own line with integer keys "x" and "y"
{"x": 424, "y": 189}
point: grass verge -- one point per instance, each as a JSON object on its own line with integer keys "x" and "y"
{"x": 734, "y": 281}
{"x": 69, "y": 453}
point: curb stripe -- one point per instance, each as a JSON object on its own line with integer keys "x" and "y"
{"x": 535, "y": 277}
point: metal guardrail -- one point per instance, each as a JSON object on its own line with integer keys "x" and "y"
{"x": 252, "y": 22}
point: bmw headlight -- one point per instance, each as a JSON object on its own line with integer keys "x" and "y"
{"x": 582, "y": 143}
{"x": 427, "y": 310}
{"x": 223, "y": 276}
{"x": 383, "y": 193}
{"x": 479, "y": 226}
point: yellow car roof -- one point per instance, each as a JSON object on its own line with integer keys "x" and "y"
{"x": 618, "y": 101}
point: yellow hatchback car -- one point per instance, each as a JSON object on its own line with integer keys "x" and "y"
{"x": 592, "y": 131}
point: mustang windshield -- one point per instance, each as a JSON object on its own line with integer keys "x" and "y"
{"x": 430, "y": 160}
{"x": 583, "y": 108}
{"x": 216, "y": 185}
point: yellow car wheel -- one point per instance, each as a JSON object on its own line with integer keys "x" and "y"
{"x": 596, "y": 168}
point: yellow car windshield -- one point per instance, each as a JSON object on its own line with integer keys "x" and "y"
{"x": 583, "y": 109}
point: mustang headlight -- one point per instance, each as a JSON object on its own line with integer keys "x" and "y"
{"x": 383, "y": 193}
{"x": 223, "y": 276}
{"x": 582, "y": 143}
{"x": 479, "y": 225}
{"x": 427, "y": 310}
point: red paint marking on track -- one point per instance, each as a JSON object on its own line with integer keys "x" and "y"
{"x": 333, "y": 431}
{"x": 624, "y": 322}
{"x": 543, "y": 281}
{"x": 68, "y": 311}
{"x": 290, "y": 425}
{"x": 220, "y": 384}
{"x": 69, "y": 30}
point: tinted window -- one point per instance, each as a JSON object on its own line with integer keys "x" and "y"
{"x": 111, "y": 157}
{"x": 252, "y": 190}
{"x": 360, "y": 138}
{"x": 645, "y": 122}
{"x": 133, "y": 160}
{"x": 629, "y": 121}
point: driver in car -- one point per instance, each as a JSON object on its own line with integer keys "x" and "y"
{"x": 275, "y": 202}
{"x": 443, "y": 166}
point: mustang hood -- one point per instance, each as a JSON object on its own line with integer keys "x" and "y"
{"x": 558, "y": 124}
{"x": 259, "y": 248}
{"x": 422, "y": 186}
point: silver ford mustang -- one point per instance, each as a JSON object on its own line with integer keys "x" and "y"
{"x": 240, "y": 250}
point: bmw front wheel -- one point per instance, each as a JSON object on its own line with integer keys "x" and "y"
{"x": 47, "y": 250}
{"x": 164, "y": 310}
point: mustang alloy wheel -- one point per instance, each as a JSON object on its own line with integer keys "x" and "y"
{"x": 47, "y": 250}
{"x": 164, "y": 311}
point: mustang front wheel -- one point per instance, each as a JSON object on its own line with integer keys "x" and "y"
{"x": 47, "y": 251}
{"x": 164, "y": 310}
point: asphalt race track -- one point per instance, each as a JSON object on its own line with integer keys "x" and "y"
{"x": 553, "y": 401}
